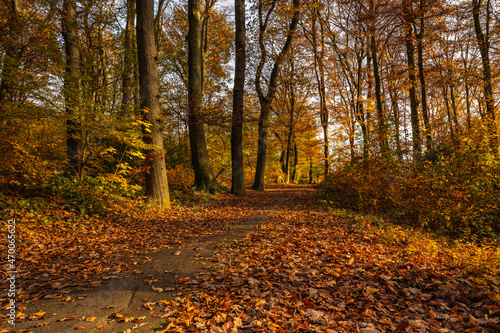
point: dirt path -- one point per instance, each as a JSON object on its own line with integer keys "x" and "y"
{"x": 128, "y": 303}
{"x": 281, "y": 262}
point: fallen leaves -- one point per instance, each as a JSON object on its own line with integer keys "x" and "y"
{"x": 318, "y": 273}
{"x": 59, "y": 257}
{"x": 300, "y": 272}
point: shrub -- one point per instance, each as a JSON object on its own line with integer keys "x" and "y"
{"x": 455, "y": 195}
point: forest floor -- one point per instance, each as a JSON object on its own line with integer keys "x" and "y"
{"x": 274, "y": 261}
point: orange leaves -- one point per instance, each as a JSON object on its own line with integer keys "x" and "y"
{"x": 68, "y": 318}
{"x": 318, "y": 273}
{"x": 297, "y": 272}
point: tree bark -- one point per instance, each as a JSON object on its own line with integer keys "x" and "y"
{"x": 72, "y": 93}
{"x": 266, "y": 100}
{"x": 237, "y": 175}
{"x": 320, "y": 78}
{"x": 382, "y": 127}
{"x": 156, "y": 172}
{"x": 395, "y": 111}
{"x": 291, "y": 133}
{"x": 421, "y": 74}
{"x": 410, "y": 52}
{"x": 129, "y": 56}
{"x": 484, "y": 47}
{"x": 204, "y": 177}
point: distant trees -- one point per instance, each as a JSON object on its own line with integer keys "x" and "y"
{"x": 267, "y": 91}
{"x": 332, "y": 84}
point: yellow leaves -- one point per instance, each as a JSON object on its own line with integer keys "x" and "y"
{"x": 136, "y": 153}
{"x": 67, "y": 318}
{"x": 158, "y": 290}
{"x": 90, "y": 319}
{"x": 37, "y": 315}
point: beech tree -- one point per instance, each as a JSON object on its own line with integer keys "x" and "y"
{"x": 238, "y": 176}
{"x": 129, "y": 55}
{"x": 72, "y": 89}
{"x": 409, "y": 23}
{"x": 266, "y": 94}
{"x": 204, "y": 177}
{"x": 156, "y": 173}
{"x": 483, "y": 40}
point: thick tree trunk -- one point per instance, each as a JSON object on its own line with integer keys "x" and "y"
{"x": 266, "y": 100}
{"x": 265, "y": 109}
{"x": 484, "y": 47}
{"x": 129, "y": 55}
{"x": 204, "y": 177}
{"x": 237, "y": 175}
{"x": 156, "y": 172}
{"x": 410, "y": 52}
{"x": 72, "y": 93}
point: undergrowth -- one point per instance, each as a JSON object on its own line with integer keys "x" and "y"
{"x": 479, "y": 260}
{"x": 456, "y": 195}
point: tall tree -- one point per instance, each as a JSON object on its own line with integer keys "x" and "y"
{"x": 204, "y": 177}
{"x": 128, "y": 60}
{"x": 382, "y": 128}
{"x": 237, "y": 175}
{"x": 266, "y": 99}
{"x": 484, "y": 48}
{"x": 409, "y": 23}
{"x": 421, "y": 75}
{"x": 319, "y": 70}
{"x": 156, "y": 172}
{"x": 72, "y": 89}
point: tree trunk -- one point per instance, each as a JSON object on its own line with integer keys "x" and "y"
{"x": 266, "y": 100}
{"x": 395, "y": 111}
{"x": 204, "y": 177}
{"x": 467, "y": 103}
{"x": 410, "y": 52}
{"x": 320, "y": 78}
{"x": 129, "y": 56}
{"x": 156, "y": 172}
{"x": 421, "y": 74}
{"x": 72, "y": 93}
{"x": 359, "y": 109}
{"x": 290, "y": 130}
{"x": 484, "y": 47}
{"x": 237, "y": 175}
{"x": 382, "y": 127}
{"x": 448, "y": 112}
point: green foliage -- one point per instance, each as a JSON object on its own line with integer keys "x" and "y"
{"x": 456, "y": 195}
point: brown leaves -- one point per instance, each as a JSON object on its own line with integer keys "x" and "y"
{"x": 58, "y": 258}
{"x": 298, "y": 272}
{"x": 312, "y": 272}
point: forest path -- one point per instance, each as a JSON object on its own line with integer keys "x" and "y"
{"x": 128, "y": 302}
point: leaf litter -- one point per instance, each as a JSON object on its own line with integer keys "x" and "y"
{"x": 304, "y": 270}
{"x": 307, "y": 270}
